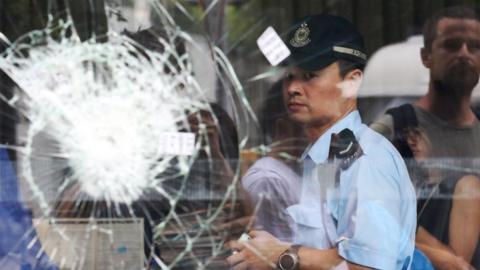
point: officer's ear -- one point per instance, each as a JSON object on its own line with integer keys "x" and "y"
{"x": 354, "y": 75}
{"x": 351, "y": 83}
{"x": 425, "y": 54}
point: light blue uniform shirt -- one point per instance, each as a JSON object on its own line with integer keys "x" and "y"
{"x": 370, "y": 215}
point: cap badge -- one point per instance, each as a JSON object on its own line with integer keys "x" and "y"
{"x": 300, "y": 38}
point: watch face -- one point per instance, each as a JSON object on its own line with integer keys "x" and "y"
{"x": 287, "y": 262}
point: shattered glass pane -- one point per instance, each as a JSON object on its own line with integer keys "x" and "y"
{"x": 123, "y": 157}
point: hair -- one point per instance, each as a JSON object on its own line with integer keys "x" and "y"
{"x": 346, "y": 66}
{"x": 149, "y": 39}
{"x": 228, "y": 135}
{"x": 456, "y": 12}
{"x": 417, "y": 131}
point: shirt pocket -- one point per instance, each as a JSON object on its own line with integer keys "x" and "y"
{"x": 308, "y": 229}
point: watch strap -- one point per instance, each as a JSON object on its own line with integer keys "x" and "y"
{"x": 294, "y": 249}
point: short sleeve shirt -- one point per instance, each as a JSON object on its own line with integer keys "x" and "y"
{"x": 273, "y": 186}
{"x": 369, "y": 215}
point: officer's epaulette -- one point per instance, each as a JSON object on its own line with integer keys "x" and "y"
{"x": 345, "y": 147}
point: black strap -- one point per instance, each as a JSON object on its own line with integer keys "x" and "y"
{"x": 345, "y": 147}
{"x": 476, "y": 111}
{"x": 403, "y": 117}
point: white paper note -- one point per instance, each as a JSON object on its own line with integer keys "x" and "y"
{"x": 177, "y": 143}
{"x": 272, "y": 46}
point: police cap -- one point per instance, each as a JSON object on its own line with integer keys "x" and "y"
{"x": 317, "y": 41}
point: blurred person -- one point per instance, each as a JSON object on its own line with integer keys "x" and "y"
{"x": 431, "y": 204}
{"x": 273, "y": 182}
{"x": 213, "y": 169}
{"x": 20, "y": 247}
{"x": 357, "y": 206}
{"x": 448, "y": 217}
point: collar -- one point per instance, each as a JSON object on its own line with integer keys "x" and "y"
{"x": 318, "y": 151}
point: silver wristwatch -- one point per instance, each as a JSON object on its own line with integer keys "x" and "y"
{"x": 289, "y": 259}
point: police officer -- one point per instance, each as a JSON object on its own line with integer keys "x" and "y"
{"x": 357, "y": 205}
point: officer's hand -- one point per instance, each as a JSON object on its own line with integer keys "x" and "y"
{"x": 261, "y": 252}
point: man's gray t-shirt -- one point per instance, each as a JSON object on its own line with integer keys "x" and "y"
{"x": 446, "y": 140}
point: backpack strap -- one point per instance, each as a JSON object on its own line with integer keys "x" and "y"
{"x": 403, "y": 117}
{"x": 476, "y": 111}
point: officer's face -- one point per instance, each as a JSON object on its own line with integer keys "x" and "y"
{"x": 454, "y": 59}
{"x": 314, "y": 98}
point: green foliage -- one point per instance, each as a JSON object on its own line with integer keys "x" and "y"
{"x": 243, "y": 25}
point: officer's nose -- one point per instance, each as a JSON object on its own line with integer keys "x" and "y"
{"x": 293, "y": 88}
